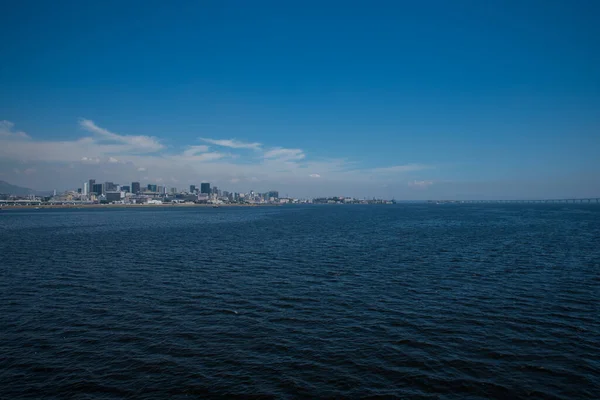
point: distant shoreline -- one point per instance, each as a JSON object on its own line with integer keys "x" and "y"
{"x": 164, "y": 205}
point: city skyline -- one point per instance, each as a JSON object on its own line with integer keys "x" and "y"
{"x": 93, "y": 192}
{"x": 405, "y": 101}
{"x": 205, "y": 190}
{"x": 99, "y": 187}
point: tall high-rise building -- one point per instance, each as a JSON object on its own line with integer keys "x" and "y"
{"x": 98, "y": 189}
{"x": 205, "y": 188}
{"x": 192, "y": 188}
{"x": 109, "y": 187}
{"x": 152, "y": 188}
{"x": 86, "y": 188}
{"x": 135, "y": 187}
{"x": 91, "y": 183}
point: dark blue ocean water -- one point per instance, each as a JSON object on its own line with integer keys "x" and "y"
{"x": 410, "y": 301}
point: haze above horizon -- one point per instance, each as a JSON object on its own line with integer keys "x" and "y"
{"x": 411, "y": 100}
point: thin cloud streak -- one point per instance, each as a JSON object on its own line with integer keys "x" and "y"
{"x": 398, "y": 169}
{"x": 139, "y": 143}
{"x": 193, "y": 150}
{"x": 280, "y": 153}
{"x": 202, "y": 157}
{"x": 420, "y": 184}
{"x": 232, "y": 143}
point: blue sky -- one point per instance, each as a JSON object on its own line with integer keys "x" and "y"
{"x": 415, "y": 100}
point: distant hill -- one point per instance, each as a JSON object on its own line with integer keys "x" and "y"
{"x": 7, "y": 188}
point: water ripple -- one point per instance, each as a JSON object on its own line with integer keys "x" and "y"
{"x": 415, "y": 301}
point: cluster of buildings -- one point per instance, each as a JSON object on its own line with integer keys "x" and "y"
{"x": 92, "y": 192}
{"x": 136, "y": 193}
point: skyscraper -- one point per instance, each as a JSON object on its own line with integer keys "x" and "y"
{"x": 98, "y": 188}
{"x": 91, "y": 185}
{"x": 205, "y": 188}
{"x": 192, "y": 188}
{"x": 86, "y": 188}
{"x": 135, "y": 187}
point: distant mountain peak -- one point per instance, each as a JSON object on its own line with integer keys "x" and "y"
{"x": 7, "y": 188}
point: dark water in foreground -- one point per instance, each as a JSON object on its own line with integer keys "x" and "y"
{"x": 450, "y": 301}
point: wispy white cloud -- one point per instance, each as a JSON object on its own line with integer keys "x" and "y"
{"x": 90, "y": 160}
{"x": 197, "y": 157}
{"x": 111, "y": 156}
{"x": 420, "y": 184}
{"x": 6, "y": 130}
{"x": 232, "y": 143}
{"x": 136, "y": 143}
{"x": 194, "y": 150}
{"x": 282, "y": 154}
{"x": 398, "y": 169}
